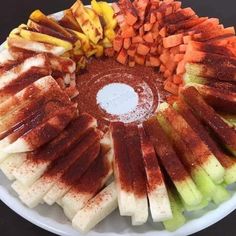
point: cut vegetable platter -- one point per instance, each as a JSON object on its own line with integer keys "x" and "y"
{"x": 119, "y": 119}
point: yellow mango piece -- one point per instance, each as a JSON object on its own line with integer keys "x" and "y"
{"x": 40, "y": 18}
{"x": 87, "y": 25}
{"x": 110, "y": 34}
{"x": 100, "y": 50}
{"x": 94, "y": 18}
{"x": 38, "y": 37}
{"x": 108, "y": 15}
{"x": 96, "y": 7}
{"x": 106, "y": 43}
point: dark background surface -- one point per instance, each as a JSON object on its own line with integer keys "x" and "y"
{"x": 14, "y": 12}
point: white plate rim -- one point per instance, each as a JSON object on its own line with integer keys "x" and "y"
{"x": 48, "y": 224}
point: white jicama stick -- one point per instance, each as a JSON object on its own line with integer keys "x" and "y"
{"x": 96, "y": 209}
{"x": 30, "y": 171}
{"x": 3, "y": 156}
{"x": 18, "y": 187}
{"x": 35, "y": 46}
{"x": 133, "y": 144}
{"x": 32, "y": 140}
{"x": 34, "y": 195}
{"x": 5, "y": 57}
{"x": 123, "y": 176}
{"x": 79, "y": 195}
{"x": 62, "y": 64}
{"x": 13, "y": 162}
{"x": 39, "y": 60}
{"x": 157, "y": 193}
{"x": 22, "y": 98}
{"x": 74, "y": 173}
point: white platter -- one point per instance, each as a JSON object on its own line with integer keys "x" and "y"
{"x": 52, "y": 218}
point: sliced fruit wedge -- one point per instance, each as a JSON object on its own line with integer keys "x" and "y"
{"x": 36, "y": 192}
{"x": 38, "y": 17}
{"x": 43, "y": 38}
{"x": 227, "y": 162}
{"x": 226, "y": 133}
{"x": 169, "y": 159}
{"x": 199, "y": 149}
{"x": 96, "y": 209}
{"x": 86, "y": 188}
{"x": 87, "y": 25}
{"x": 156, "y": 189}
{"x": 122, "y": 167}
{"x": 133, "y": 143}
{"x": 37, "y": 163}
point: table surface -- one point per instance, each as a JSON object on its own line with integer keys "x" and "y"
{"x": 14, "y": 12}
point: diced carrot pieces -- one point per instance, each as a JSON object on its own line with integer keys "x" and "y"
{"x": 142, "y": 49}
{"x": 164, "y": 58}
{"x": 153, "y": 49}
{"x": 127, "y": 43}
{"x": 162, "y": 32}
{"x": 154, "y": 61}
{"x": 132, "y": 50}
{"x": 153, "y": 18}
{"x": 172, "y": 99}
{"x": 128, "y": 32}
{"x": 178, "y": 57}
{"x": 187, "y": 39}
{"x": 131, "y": 18}
{"x": 169, "y": 10}
{"x": 117, "y": 43}
{"x": 122, "y": 57}
{"x": 109, "y": 52}
{"x": 171, "y": 87}
{"x": 137, "y": 39}
{"x": 139, "y": 59}
{"x": 141, "y": 31}
{"x": 182, "y": 48}
{"x": 148, "y": 37}
{"x": 162, "y": 68}
{"x": 177, "y": 79}
{"x": 181, "y": 67}
{"x": 147, "y": 26}
{"x": 172, "y": 41}
{"x": 131, "y": 62}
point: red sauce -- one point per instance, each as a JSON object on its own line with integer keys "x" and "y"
{"x": 104, "y": 71}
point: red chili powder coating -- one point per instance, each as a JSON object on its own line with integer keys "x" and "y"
{"x": 133, "y": 144}
{"x": 63, "y": 163}
{"x": 98, "y": 171}
{"x": 165, "y": 151}
{"x": 104, "y": 71}
{"x": 150, "y": 162}
{"x": 122, "y": 162}
{"x": 64, "y": 141}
